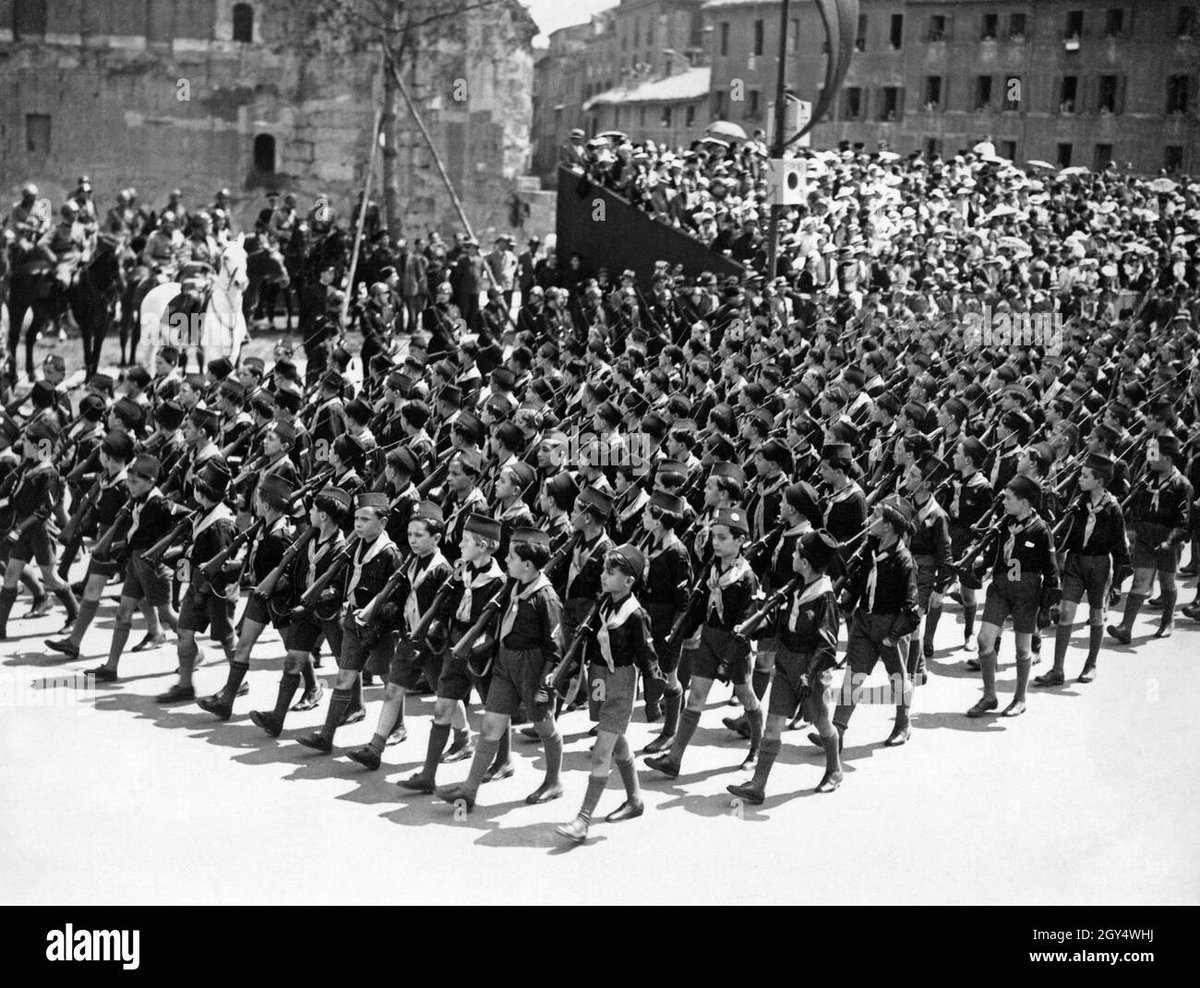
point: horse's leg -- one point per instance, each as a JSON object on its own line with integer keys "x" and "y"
{"x": 16, "y": 316}
{"x": 35, "y": 327}
{"x": 287, "y": 304}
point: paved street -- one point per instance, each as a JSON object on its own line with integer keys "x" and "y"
{"x": 1088, "y": 798}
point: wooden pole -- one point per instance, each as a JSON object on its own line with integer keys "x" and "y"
{"x": 780, "y": 141}
{"x": 362, "y": 217}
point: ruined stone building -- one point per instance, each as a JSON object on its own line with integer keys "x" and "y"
{"x": 259, "y": 97}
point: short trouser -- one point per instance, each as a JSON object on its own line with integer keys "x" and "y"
{"x": 458, "y": 678}
{"x": 1088, "y": 574}
{"x": 145, "y": 582}
{"x": 960, "y": 541}
{"x": 199, "y": 611}
{"x": 302, "y": 634}
{"x": 409, "y": 666}
{"x": 662, "y": 617}
{"x": 787, "y": 692}
{"x": 926, "y": 572}
{"x": 516, "y": 678}
{"x": 1149, "y": 556}
{"x": 720, "y": 657}
{"x": 357, "y": 652}
{"x": 865, "y": 647}
{"x": 614, "y": 691}
{"x": 1019, "y": 598}
{"x": 34, "y": 543}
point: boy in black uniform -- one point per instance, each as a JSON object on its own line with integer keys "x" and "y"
{"x": 424, "y": 573}
{"x": 478, "y": 580}
{"x": 807, "y": 627}
{"x": 271, "y": 501}
{"x": 930, "y": 548}
{"x": 731, "y": 587}
{"x": 620, "y": 647}
{"x": 207, "y": 602}
{"x": 372, "y": 564}
{"x": 970, "y": 500}
{"x": 112, "y": 492}
{"x": 328, "y": 513}
{"x": 1024, "y": 584}
{"x": 34, "y": 498}
{"x": 530, "y": 648}
{"x": 150, "y": 516}
{"x": 1161, "y": 520}
{"x": 1097, "y": 557}
{"x": 885, "y": 592}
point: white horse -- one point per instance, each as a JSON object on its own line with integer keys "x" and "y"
{"x": 221, "y": 331}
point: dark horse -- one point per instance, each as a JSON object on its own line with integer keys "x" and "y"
{"x": 30, "y": 289}
{"x": 93, "y": 299}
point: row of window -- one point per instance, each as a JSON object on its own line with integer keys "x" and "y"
{"x": 1107, "y": 96}
{"x": 1065, "y": 157}
{"x": 1117, "y": 22}
{"x": 29, "y": 21}
{"x": 643, "y": 115}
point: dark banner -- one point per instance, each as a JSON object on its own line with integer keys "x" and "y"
{"x": 608, "y": 232}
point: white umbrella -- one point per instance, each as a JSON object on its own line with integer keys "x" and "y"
{"x": 1001, "y": 211}
{"x": 1014, "y": 244}
{"x": 1145, "y": 214}
{"x": 888, "y": 156}
{"x": 724, "y": 128}
{"x": 1163, "y": 185}
{"x": 1073, "y": 170}
{"x": 1035, "y": 163}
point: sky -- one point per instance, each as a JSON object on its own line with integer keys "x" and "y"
{"x": 550, "y": 15}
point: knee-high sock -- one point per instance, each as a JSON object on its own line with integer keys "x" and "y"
{"x": 149, "y": 612}
{"x": 969, "y": 618}
{"x": 237, "y": 672}
{"x": 987, "y": 665}
{"x": 188, "y": 651}
{"x": 392, "y": 711}
{"x": 553, "y": 747}
{"x": 595, "y": 788}
{"x": 337, "y": 709}
{"x": 672, "y": 705}
{"x": 768, "y": 751}
{"x": 485, "y": 751}
{"x": 623, "y": 758}
{"x": 439, "y": 734}
{"x": 1095, "y": 640}
{"x": 309, "y": 675}
{"x": 289, "y": 683}
{"x": 1062, "y": 639}
{"x": 931, "y": 623}
{"x": 688, "y": 720}
{"x": 8, "y": 597}
{"x": 1168, "y": 612}
{"x": 754, "y": 718}
{"x": 355, "y": 693}
{"x": 1023, "y": 667}
{"x": 1133, "y": 604}
{"x": 66, "y": 597}
{"x": 759, "y": 681}
{"x": 503, "y": 747}
{"x": 87, "y": 613}
{"x": 116, "y": 647}
{"x": 33, "y": 583}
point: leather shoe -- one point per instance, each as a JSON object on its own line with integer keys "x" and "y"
{"x": 452, "y": 794}
{"x": 544, "y": 793}
{"x": 737, "y": 724}
{"x": 1014, "y": 709}
{"x": 927, "y": 650}
{"x": 419, "y": 782}
{"x": 317, "y": 741}
{"x": 266, "y": 720}
{"x": 983, "y": 707}
{"x": 1088, "y": 674}
{"x": 970, "y": 644}
{"x": 530, "y": 733}
{"x": 504, "y": 770}
{"x": 103, "y": 674}
{"x": 660, "y": 743}
{"x": 150, "y": 642}
{"x": 366, "y": 757}
{"x": 664, "y": 764}
{"x": 216, "y": 705}
{"x": 628, "y": 810}
{"x": 64, "y": 645}
{"x": 353, "y": 716}
{"x": 177, "y": 694}
{"x": 900, "y": 735}
{"x": 816, "y": 739}
{"x": 751, "y": 761}
{"x": 749, "y": 792}
{"x": 1054, "y": 677}
{"x": 459, "y": 754}
{"x": 575, "y": 831}
{"x": 653, "y": 711}
{"x": 830, "y": 781}
{"x": 1119, "y": 633}
{"x": 41, "y": 608}
{"x": 310, "y": 700}
{"x": 398, "y": 736}
{"x": 973, "y": 664}
{"x": 1155, "y": 603}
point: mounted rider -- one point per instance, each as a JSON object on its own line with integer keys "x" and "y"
{"x": 165, "y": 247}
{"x": 126, "y": 220}
{"x": 202, "y": 255}
{"x": 177, "y": 209}
{"x": 66, "y": 245}
{"x": 82, "y": 197}
{"x": 282, "y": 223}
{"x": 26, "y": 221}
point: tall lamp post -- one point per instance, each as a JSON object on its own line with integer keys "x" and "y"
{"x": 780, "y": 141}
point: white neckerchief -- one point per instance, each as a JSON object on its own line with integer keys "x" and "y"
{"x": 218, "y": 512}
{"x": 412, "y": 614}
{"x": 361, "y": 561}
{"x": 478, "y": 578}
{"x": 718, "y": 581}
{"x": 580, "y": 557}
{"x": 110, "y": 482}
{"x": 316, "y": 552}
{"x": 613, "y": 620}
{"x": 639, "y": 502}
{"x": 671, "y": 540}
{"x": 1016, "y": 528}
{"x": 1162, "y": 487}
{"x": 510, "y": 616}
{"x": 819, "y": 586}
{"x": 873, "y": 576}
{"x": 136, "y": 512}
{"x": 760, "y": 506}
{"x": 1093, "y": 509}
{"x": 803, "y": 527}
